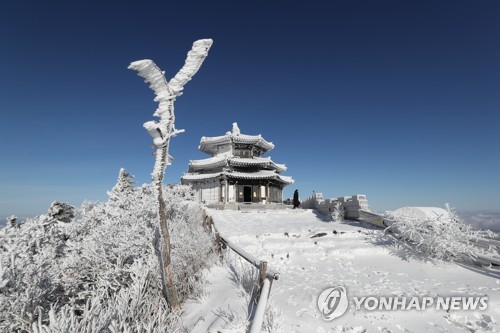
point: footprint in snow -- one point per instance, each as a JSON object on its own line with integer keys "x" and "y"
{"x": 300, "y": 312}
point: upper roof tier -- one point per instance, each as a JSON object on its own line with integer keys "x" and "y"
{"x": 209, "y": 144}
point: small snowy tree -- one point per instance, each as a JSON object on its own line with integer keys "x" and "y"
{"x": 119, "y": 196}
{"x": 11, "y": 221}
{"x": 338, "y": 212}
{"x": 161, "y": 132}
{"x": 61, "y": 211}
{"x": 124, "y": 184}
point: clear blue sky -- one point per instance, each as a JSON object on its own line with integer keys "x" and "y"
{"x": 399, "y": 100}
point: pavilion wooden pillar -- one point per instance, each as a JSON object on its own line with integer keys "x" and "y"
{"x": 225, "y": 188}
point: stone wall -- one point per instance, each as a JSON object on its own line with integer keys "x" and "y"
{"x": 351, "y": 204}
{"x": 207, "y": 192}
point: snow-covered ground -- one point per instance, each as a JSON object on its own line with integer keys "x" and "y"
{"x": 350, "y": 256}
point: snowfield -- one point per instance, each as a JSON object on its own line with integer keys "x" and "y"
{"x": 352, "y": 256}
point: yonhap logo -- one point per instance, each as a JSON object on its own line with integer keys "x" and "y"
{"x": 333, "y": 303}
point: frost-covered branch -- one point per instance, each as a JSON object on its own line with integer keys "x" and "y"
{"x": 194, "y": 60}
{"x": 338, "y": 212}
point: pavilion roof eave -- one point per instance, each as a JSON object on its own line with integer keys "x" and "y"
{"x": 260, "y": 175}
{"x": 217, "y": 162}
{"x": 257, "y": 162}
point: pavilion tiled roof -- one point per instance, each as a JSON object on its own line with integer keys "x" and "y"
{"x": 262, "y": 174}
{"x": 208, "y": 144}
{"x": 216, "y": 162}
{"x": 208, "y": 163}
{"x": 257, "y": 162}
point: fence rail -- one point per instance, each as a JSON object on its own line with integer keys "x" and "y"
{"x": 266, "y": 275}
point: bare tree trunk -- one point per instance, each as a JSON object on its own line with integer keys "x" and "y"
{"x": 169, "y": 290}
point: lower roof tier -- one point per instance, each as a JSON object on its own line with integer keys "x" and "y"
{"x": 262, "y": 174}
{"x": 219, "y": 161}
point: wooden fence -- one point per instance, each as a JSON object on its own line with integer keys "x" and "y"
{"x": 265, "y": 278}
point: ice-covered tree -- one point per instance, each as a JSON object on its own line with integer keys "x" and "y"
{"x": 119, "y": 196}
{"x": 161, "y": 132}
{"x": 100, "y": 273}
{"x": 11, "y": 221}
{"x": 441, "y": 236}
{"x": 124, "y": 184}
{"x": 61, "y": 211}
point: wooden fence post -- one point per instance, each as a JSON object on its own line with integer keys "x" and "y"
{"x": 210, "y": 222}
{"x": 218, "y": 245}
{"x": 262, "y": 273}
{"x": 204, "y": 218}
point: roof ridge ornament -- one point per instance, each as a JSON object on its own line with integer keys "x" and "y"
{"x": 236, "y": 129}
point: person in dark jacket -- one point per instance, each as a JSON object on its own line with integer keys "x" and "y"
{"x": 296, "y": 201}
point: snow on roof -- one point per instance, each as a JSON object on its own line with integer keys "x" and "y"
{"x": 212, "y": 162}
{"x": 215, "y": 162}
{"x": 207, "y": 144}
{"x": 262, "y": 174}
{"x": 201, "y": 176}
{"x": 257, "y": 161}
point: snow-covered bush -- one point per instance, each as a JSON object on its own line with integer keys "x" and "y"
{"x": 61, "y": 211}
{"x": 11, "y": 221}
{"x": 124, "y": 187}
{"x": 440, "y": 236}
{"x": 100, "y": 273}
{"x": 338, "y": 212}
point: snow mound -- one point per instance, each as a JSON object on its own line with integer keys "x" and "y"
{"x": 423, "y": 213}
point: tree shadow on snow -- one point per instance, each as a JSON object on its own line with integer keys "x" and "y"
{"x": 361, "y": 224}
{"x": 399, "y": 248}
{"x": 245, "y": 276}
{"x": 486, "y": 271}
{"x": 322, "y": 217}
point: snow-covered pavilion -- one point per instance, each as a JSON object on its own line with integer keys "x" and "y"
{"x": 236, "y": 172}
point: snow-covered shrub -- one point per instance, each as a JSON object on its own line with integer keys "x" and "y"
{"x": 61, "y": 211}
{"x": 11, "y": 221}
{"x": 440, "y": 236}
{"x": 273, "y": 320}
{"x": 121, "y": 193}
{"x": 100, "y": 273}
{"x": 338, "y": 212}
